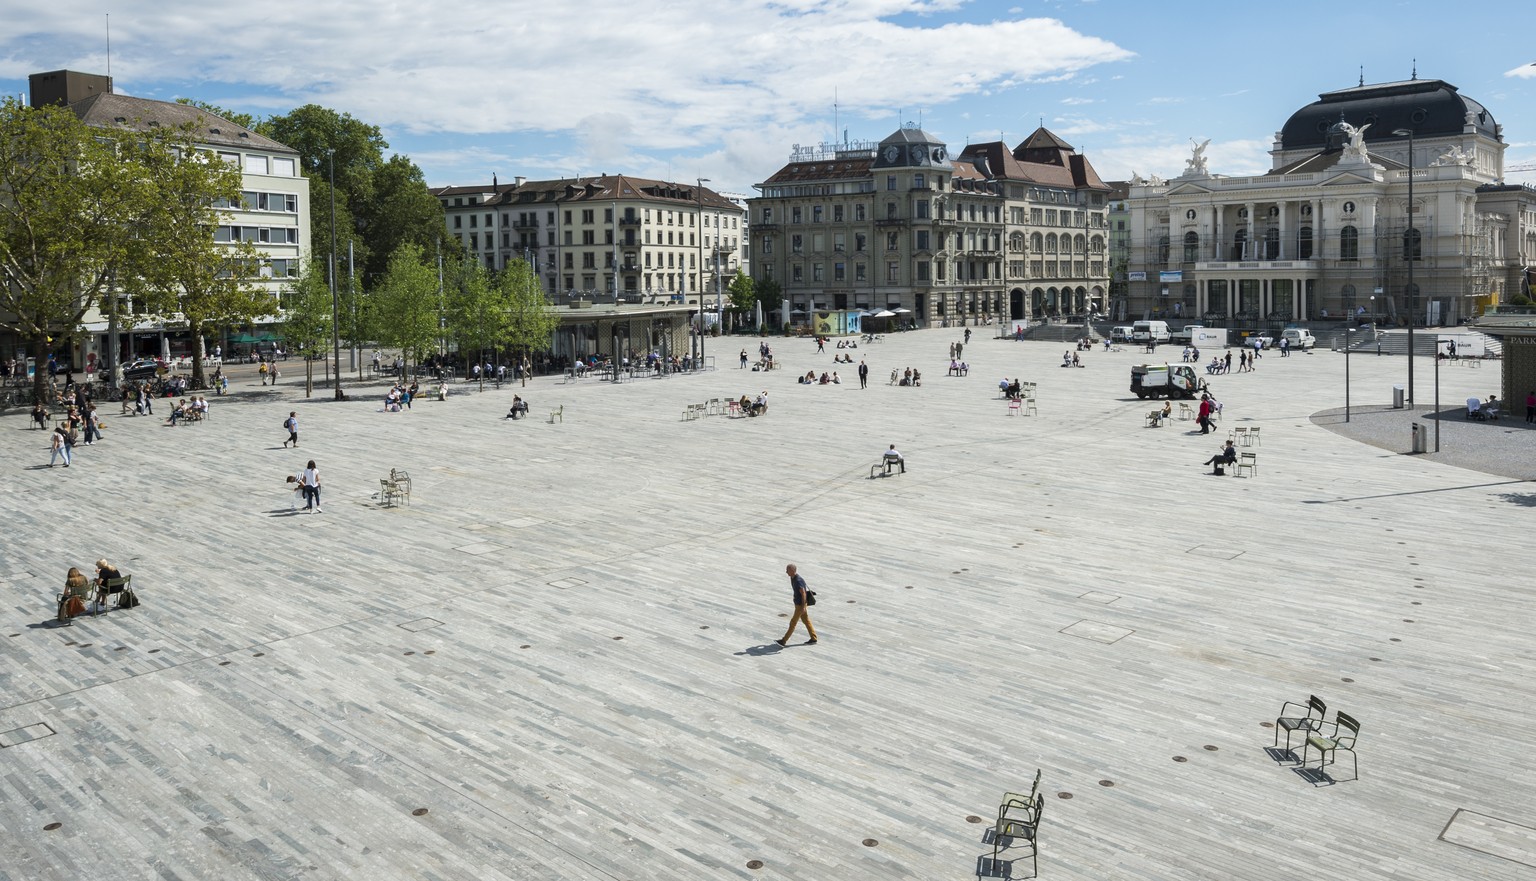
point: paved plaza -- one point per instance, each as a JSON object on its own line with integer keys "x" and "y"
{"x": 558, "y": 661}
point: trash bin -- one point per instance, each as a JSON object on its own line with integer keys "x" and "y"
{"x": 1397, "y": 397}
{"x": 1420, "y": 438}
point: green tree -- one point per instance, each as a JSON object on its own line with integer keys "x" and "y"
{"x": 183, "y": 271}
{"x": 406, "y": 304}
{"x": 72, "y": 208}
{"x": 531, "y": 321}
{"x": 742, "y": 297}
{"x": 307, "y": 320}
{"x": 477, "y": 309}
{"x": 380, "y": 204}
{"x": 769, "y": 294}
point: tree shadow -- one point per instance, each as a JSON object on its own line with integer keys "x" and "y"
{"x": 1524, "y": 500}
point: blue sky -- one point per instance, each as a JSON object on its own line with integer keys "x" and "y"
{"x": 688, "y": 88}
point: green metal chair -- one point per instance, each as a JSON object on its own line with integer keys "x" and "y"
{"x": 1309, "y": 723}
{"x": 1020, "y": 827}
{"x": 1017, "y": 801}
{"x": 1343, "y": 736}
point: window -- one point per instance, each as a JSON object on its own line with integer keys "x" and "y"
{"x": 858, "y": 242}
{"x": 918, "y": 182}
{"x": 819, "y": 243}
{"x": 922, "y": 209}
{"x": 922, "y": 240}
{"x": 1050, "y": 217}
{"x": 458, "y": 221}
{"x": 892, "y": 272}
{"x": 282, "y": 167}
{"x": 839, "y": 272}
{"x": 231, "y": 158}
{"x": 839, "y": 241}
{"x": 767, "y": 214}
{"x": 892, "y": 242}
{"x": 922, "y": 270}
{"x": 858, "y": 212}
{"x": 490, "y": 220}
{"x": 837, "y": 214}
{"x": 1412, "y": 245}
{"x": 1349, "y": 243}
{"x": 1050, "y": 243}
{"x": 796, "y": 243}
{"x": 817, "y": 273}
{"x": 890, "y": 182}
{"x": 1304, "y": 242}
{"x": 794, "y": 215}
{"x": 608, "y": 215}
{"x": 767, "y": 246}
{"x": 1191, "y": 247}
{"x": 816, "y": 214}
{"x": 567, "y": 218}
{"x": 858, "y": 272}
{"x": 255, "y": 164}
{"x": 797, "y": 273}
{"x": 588, "y": 237}
{"x": 890, "y": 210}
{"x": 474, "y": 221}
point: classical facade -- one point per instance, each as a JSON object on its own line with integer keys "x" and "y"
{"x": 900, "y": 225}
{"x": 273, "y": 212}
{"x": 597, "y": 236}
{"x": 1334, "y": 227}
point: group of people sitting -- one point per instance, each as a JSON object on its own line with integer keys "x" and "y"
{"x": 1191, "y": 355}
{"x": 842, "y": 359}
{"x": 1483, "y": 410}
{"x": 847, "y": 344}
{"x": 77, "y": 588}
{"x": 810, "y": 378}
{"x": 1220, "y": 364}
{"x": 959, "y": 368}
{"x": 400, "y": 395}
{"x": 1011, "y": 389}
{"x": 196, "y": 408}
{"x": 1085, "y": 345}
{"x": 519, "y": 409}
{"x": 907, "y": 377}
{"x": 754, "y": 407}
{"x": 1070, "y": 359}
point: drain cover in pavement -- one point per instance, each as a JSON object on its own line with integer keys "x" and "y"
{"x": 1096, "y": 631}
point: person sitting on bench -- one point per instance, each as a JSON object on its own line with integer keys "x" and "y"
{"x": 1227, "y": 456}
{"x": 894, "y": 459}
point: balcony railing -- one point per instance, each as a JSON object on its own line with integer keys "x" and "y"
{"x": 627, "y": 220}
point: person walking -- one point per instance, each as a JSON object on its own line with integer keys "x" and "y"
{"x": 292, "y": 424}
{"x": 92, "y": 425}
{"x": 863, "y": 374}
{"x": 1530, "y": 406}
{"x": 57, "y": 448}
{"x": 743, "y": 359}
{"x": 309, "y": 481}
{"x": 802, "y": 601}
{"x": 1203, "y": 419}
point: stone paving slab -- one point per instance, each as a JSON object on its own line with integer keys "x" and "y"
{"x": 602, "y": 698}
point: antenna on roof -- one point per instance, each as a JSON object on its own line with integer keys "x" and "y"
{"x": 1415, "y": 68}
{"x": 109, "y": 45}
{"x": 1042, "y": 122}
{"x": 1362, "y": 74}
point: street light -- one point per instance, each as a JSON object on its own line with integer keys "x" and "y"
{"x": 698, "y": 195}
{"x": 1411, "y": 255}
{"x": 335, "y": 308}
{"x": 1347, "y": 341}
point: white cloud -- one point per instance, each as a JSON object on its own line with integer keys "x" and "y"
{"x": 1524, "y": 71}
{"x": 1077, "y": 101}
{"x": 1166, "y": 158}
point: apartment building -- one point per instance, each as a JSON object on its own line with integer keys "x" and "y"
{"x": 598, "y": 236}
{"x": 899, "y": 225}
{"x": 273, "y": 211}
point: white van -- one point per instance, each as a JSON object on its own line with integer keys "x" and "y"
{"x": 1121, "y": 334}
{"x": 1298, "y": 338}
{"x": 1150, "y": 331}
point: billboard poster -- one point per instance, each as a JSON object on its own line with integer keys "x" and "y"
{"x": 1174, "y": 275}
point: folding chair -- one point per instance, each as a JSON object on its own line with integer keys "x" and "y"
{"x": 1316, "y": 710}
{"x": 1343, "y": 736}
{"x": 1253, "y": 437}
{"x": 1014, "y": 408}
{"x": 1249, "y": 461}
{"x": 1020, "y": 827}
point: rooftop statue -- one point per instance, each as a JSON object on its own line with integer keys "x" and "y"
{"x": 1196, "y": 163}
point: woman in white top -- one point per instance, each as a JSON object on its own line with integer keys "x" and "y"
{"x": 310, "y": 479}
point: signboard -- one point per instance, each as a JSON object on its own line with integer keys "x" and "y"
{"x": 1174, "y": 275}
{"x": 1138, "y": 276}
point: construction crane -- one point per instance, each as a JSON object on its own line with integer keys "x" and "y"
{"x": 1525, "y": 166}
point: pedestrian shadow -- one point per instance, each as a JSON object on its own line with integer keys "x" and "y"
{"x": 758, "y": 651}
{"x": 283, "y": 512}
{"x": 1524, "y": 500}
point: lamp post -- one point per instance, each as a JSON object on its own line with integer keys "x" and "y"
{"x": 1412, "y": 255}
{"x": 335, "y": 307}
{"x": 1347, "y": 341}
{"x": 698, "y": 195}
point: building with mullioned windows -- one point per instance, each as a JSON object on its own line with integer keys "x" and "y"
{"x": 1330, "y": 230}
{"x": 994, "y": 234}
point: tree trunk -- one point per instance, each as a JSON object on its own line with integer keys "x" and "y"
{"x": 198, "y": 376}
{"x": 40, "y": 371}
{"x": 309, "y": 377}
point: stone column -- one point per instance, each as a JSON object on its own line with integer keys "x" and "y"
{"x": 1216, "y": 227}
{"x": 1284, "y": 228}
{"x": 1253, "y": 226}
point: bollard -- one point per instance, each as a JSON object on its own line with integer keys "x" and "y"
{"x": 1397, "y": 397}
{"x": 1420, "y": 438}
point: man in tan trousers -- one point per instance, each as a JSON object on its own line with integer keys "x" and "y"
{"x": 797, "y": 585}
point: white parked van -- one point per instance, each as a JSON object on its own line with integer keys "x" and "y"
{"x": 1150, "y": 331}
{"x": 1298, "y": 338}
{"x": 1121, "y": 334}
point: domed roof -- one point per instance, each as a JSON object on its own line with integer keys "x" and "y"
{"x": 1431, "y": 108}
